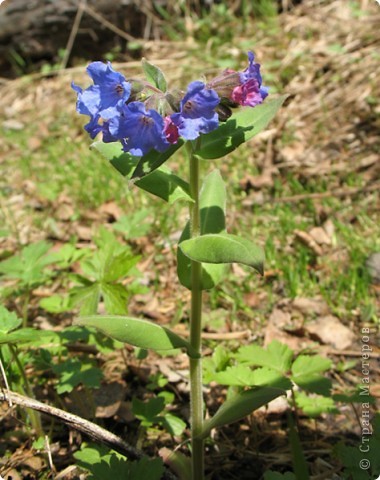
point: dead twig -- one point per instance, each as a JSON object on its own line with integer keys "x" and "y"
{"x": 90, "y": 429}
{"x": 73, "y": 33}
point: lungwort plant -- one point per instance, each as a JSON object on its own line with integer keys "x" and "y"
{"x": 143, "y": 124}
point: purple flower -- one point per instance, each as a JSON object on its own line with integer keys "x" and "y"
{"x": 197, "y": 113}
{"x": 110, "y": 88}
{"x": 250, "y": 92}
{"x": 139, "y": 129}
{"x": 170, "y": 130}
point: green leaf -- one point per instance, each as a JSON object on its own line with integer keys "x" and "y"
{"x": 74, "y": 372}
{"x": 212, "y": 204}
{"x": 115, "y": 298}
{"x": 88, "y": 298}
{"x": 27, "y": 336}
{"x": 154, "y": 75}
{"x": 103, "y": 464}
{"x": 153, "y": 160}
{"x": 161, "y": 182}
{"x": 269, "y": 475}
{"x": 28, "y": 266}
{"x": 239, "y": 128}
{"x": 133, "y": 225}
{"x": 8, "y": 320}
{"x": 306, "y": 372}
{"x": 240, "y": 406}
{"x": 244, "y": 376}
{"x": 315, "y": 405}
{"x": 173, "y": 424}
{"x": 276, "y": 356}
{"x": 147, "y": 411}
{"x": 118, "y": 266}
{"x": 56, "y": 304}
{"x": 137, "y": 332}
{"x": 224, "y": 248}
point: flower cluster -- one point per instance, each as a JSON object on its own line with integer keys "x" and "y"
{"x": 142, "y": 117}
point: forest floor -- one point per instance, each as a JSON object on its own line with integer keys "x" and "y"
{"x": 307, "y": 190}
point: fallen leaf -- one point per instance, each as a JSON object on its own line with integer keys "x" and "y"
{"x": 319, "y": 235}
{"x": 331, "y": 331}
{"x": 311, "y": 306}
{"x": 108, "y": 399}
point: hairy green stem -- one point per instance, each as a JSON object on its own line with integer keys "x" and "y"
{"x": 196, "y": 398}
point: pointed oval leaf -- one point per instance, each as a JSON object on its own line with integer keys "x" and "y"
{"x": 153, "y": 160}
{"x": 138, "y": 332}
{"x": 240, "y": 406}
{"x": 212, "y": 203}
{"x": 224, "y": 248}
{"x": 239, "y": 128}
{"x": 154, "y": 75}
{"x": 160, "y": 182}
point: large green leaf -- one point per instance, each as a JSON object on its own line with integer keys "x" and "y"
{"x": 240, "y": 406}
{"x": 239, "y": 128}
{"x": 160, "y": 182}
{"x": 212, "y": 204}
{"x": 137, "y": 332}
{"x": 153, "y": 160}
{"x": 224, "y": 248}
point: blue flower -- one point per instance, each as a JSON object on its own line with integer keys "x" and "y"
{"x": 139, "y": 129}
{"x": 93, "y": 127}
{"x": 197, "y": 113}
{"x": 110, "y": 88}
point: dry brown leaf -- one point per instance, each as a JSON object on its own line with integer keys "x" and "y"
{"x": 310, "y": 306}
{"x": 309, "y": 241}
{"x": 108, "y": 399}
{"x": 111, "y": 210}
{"x": 331, "y": 331}
{"x": 320, "y": 236}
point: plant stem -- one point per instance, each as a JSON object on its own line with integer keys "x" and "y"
{"x": 196, "y": 398}
{"x": 35, "y": 417}
{"x": 25, "y": 308}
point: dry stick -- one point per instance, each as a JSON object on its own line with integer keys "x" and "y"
{"x": 339, "y": 192}
{"x": 90, "y": 429}
{"x": 108, "y": 24}
{"x": 73, "y": 33}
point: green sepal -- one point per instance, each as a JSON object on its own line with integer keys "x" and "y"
{"x": 239, "y": 128}
{"x": 138, "y": 332}
{"x": 224, "y": 248}
{"x": 240, "y": 406}
{"x": 154, "y": 75}
{"x": 160, "y": 182}
{"x": 212, "y": 204}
